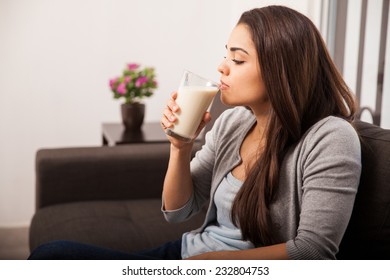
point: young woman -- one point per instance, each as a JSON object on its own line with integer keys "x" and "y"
{"x": 280, "y": 169}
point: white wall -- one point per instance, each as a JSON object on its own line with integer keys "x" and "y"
{"x": 307, "y": 7}
{"x": 56, "y": 57}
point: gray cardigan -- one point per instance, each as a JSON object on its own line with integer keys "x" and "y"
{"x": 318, "y": 182}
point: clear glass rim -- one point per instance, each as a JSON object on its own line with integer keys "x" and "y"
{"x": 209, "y": 82}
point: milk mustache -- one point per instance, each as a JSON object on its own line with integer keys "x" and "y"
{"x": 193, "y": 102}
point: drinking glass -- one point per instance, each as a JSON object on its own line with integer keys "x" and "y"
{"x": 194, "y": 97}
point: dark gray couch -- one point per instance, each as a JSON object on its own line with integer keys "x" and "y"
{"x": 110, "y": 196}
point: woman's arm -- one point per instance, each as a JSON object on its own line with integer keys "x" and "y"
{"x": 178, "y": 185}
{"x": 273, "y": 252}
{"x": 329, "y": 171}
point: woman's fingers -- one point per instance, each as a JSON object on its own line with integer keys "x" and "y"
{"x": 168, "y": 117}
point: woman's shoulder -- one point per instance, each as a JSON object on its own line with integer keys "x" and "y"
{"x": 332, "y": 133}
{"x": 332, "y": 124}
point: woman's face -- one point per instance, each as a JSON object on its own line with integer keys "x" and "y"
{"x": 241, "y": 82}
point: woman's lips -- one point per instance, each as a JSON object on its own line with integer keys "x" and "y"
{"x": 223, "y": 86}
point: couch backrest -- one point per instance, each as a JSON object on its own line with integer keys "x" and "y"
{"x": 368, "y": 232}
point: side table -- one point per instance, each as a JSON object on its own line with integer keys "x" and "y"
{"x": 116, "y": 134}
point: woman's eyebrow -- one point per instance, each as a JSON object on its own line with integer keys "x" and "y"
{"x": 233, "y": 49}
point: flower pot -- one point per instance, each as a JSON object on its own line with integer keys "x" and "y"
{"x": 133, "y": 115}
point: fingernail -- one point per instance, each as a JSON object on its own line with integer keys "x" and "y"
{"x": 172, "y": 118}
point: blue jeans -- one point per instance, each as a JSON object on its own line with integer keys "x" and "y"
{"x": 70, "y": 250}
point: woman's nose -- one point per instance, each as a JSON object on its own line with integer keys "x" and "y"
{"x": 223, "y": 68}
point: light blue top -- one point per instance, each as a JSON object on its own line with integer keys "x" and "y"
{"x": 222, "y": 235}
{"x": 318, "y": 181}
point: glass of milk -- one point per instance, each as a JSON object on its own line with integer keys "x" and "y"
{"x": 194, "y": 97}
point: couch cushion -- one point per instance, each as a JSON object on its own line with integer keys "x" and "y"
{"x": 368, "y": 233}
{"x": 128, "y": 226}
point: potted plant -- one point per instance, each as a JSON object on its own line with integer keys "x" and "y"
{"x": 133, "y": 85}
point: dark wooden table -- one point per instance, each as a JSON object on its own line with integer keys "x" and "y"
{"x": 116, "y": 134}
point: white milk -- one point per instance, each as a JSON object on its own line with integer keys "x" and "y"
{"x": 193, "y": 102}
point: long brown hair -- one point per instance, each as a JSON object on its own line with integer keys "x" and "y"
{"x": 303, "y": 86}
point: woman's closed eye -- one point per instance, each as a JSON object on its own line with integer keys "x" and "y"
{"x": 236, "y": 61}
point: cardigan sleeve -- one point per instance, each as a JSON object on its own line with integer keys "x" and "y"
{"x": 331, "y": 167}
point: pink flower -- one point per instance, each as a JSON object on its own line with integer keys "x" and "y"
{"x": 121, "y": 89}
{"x": 112, "y": 83}
{"x": 127, "y": 79}
{"x": 140, "y": 81}
{"x": 132, "y": 66}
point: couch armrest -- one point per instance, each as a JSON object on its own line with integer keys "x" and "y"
{"x": 100, "y": 173}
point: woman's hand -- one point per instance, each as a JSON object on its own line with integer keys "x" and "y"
{"x": 169, "y": 118}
